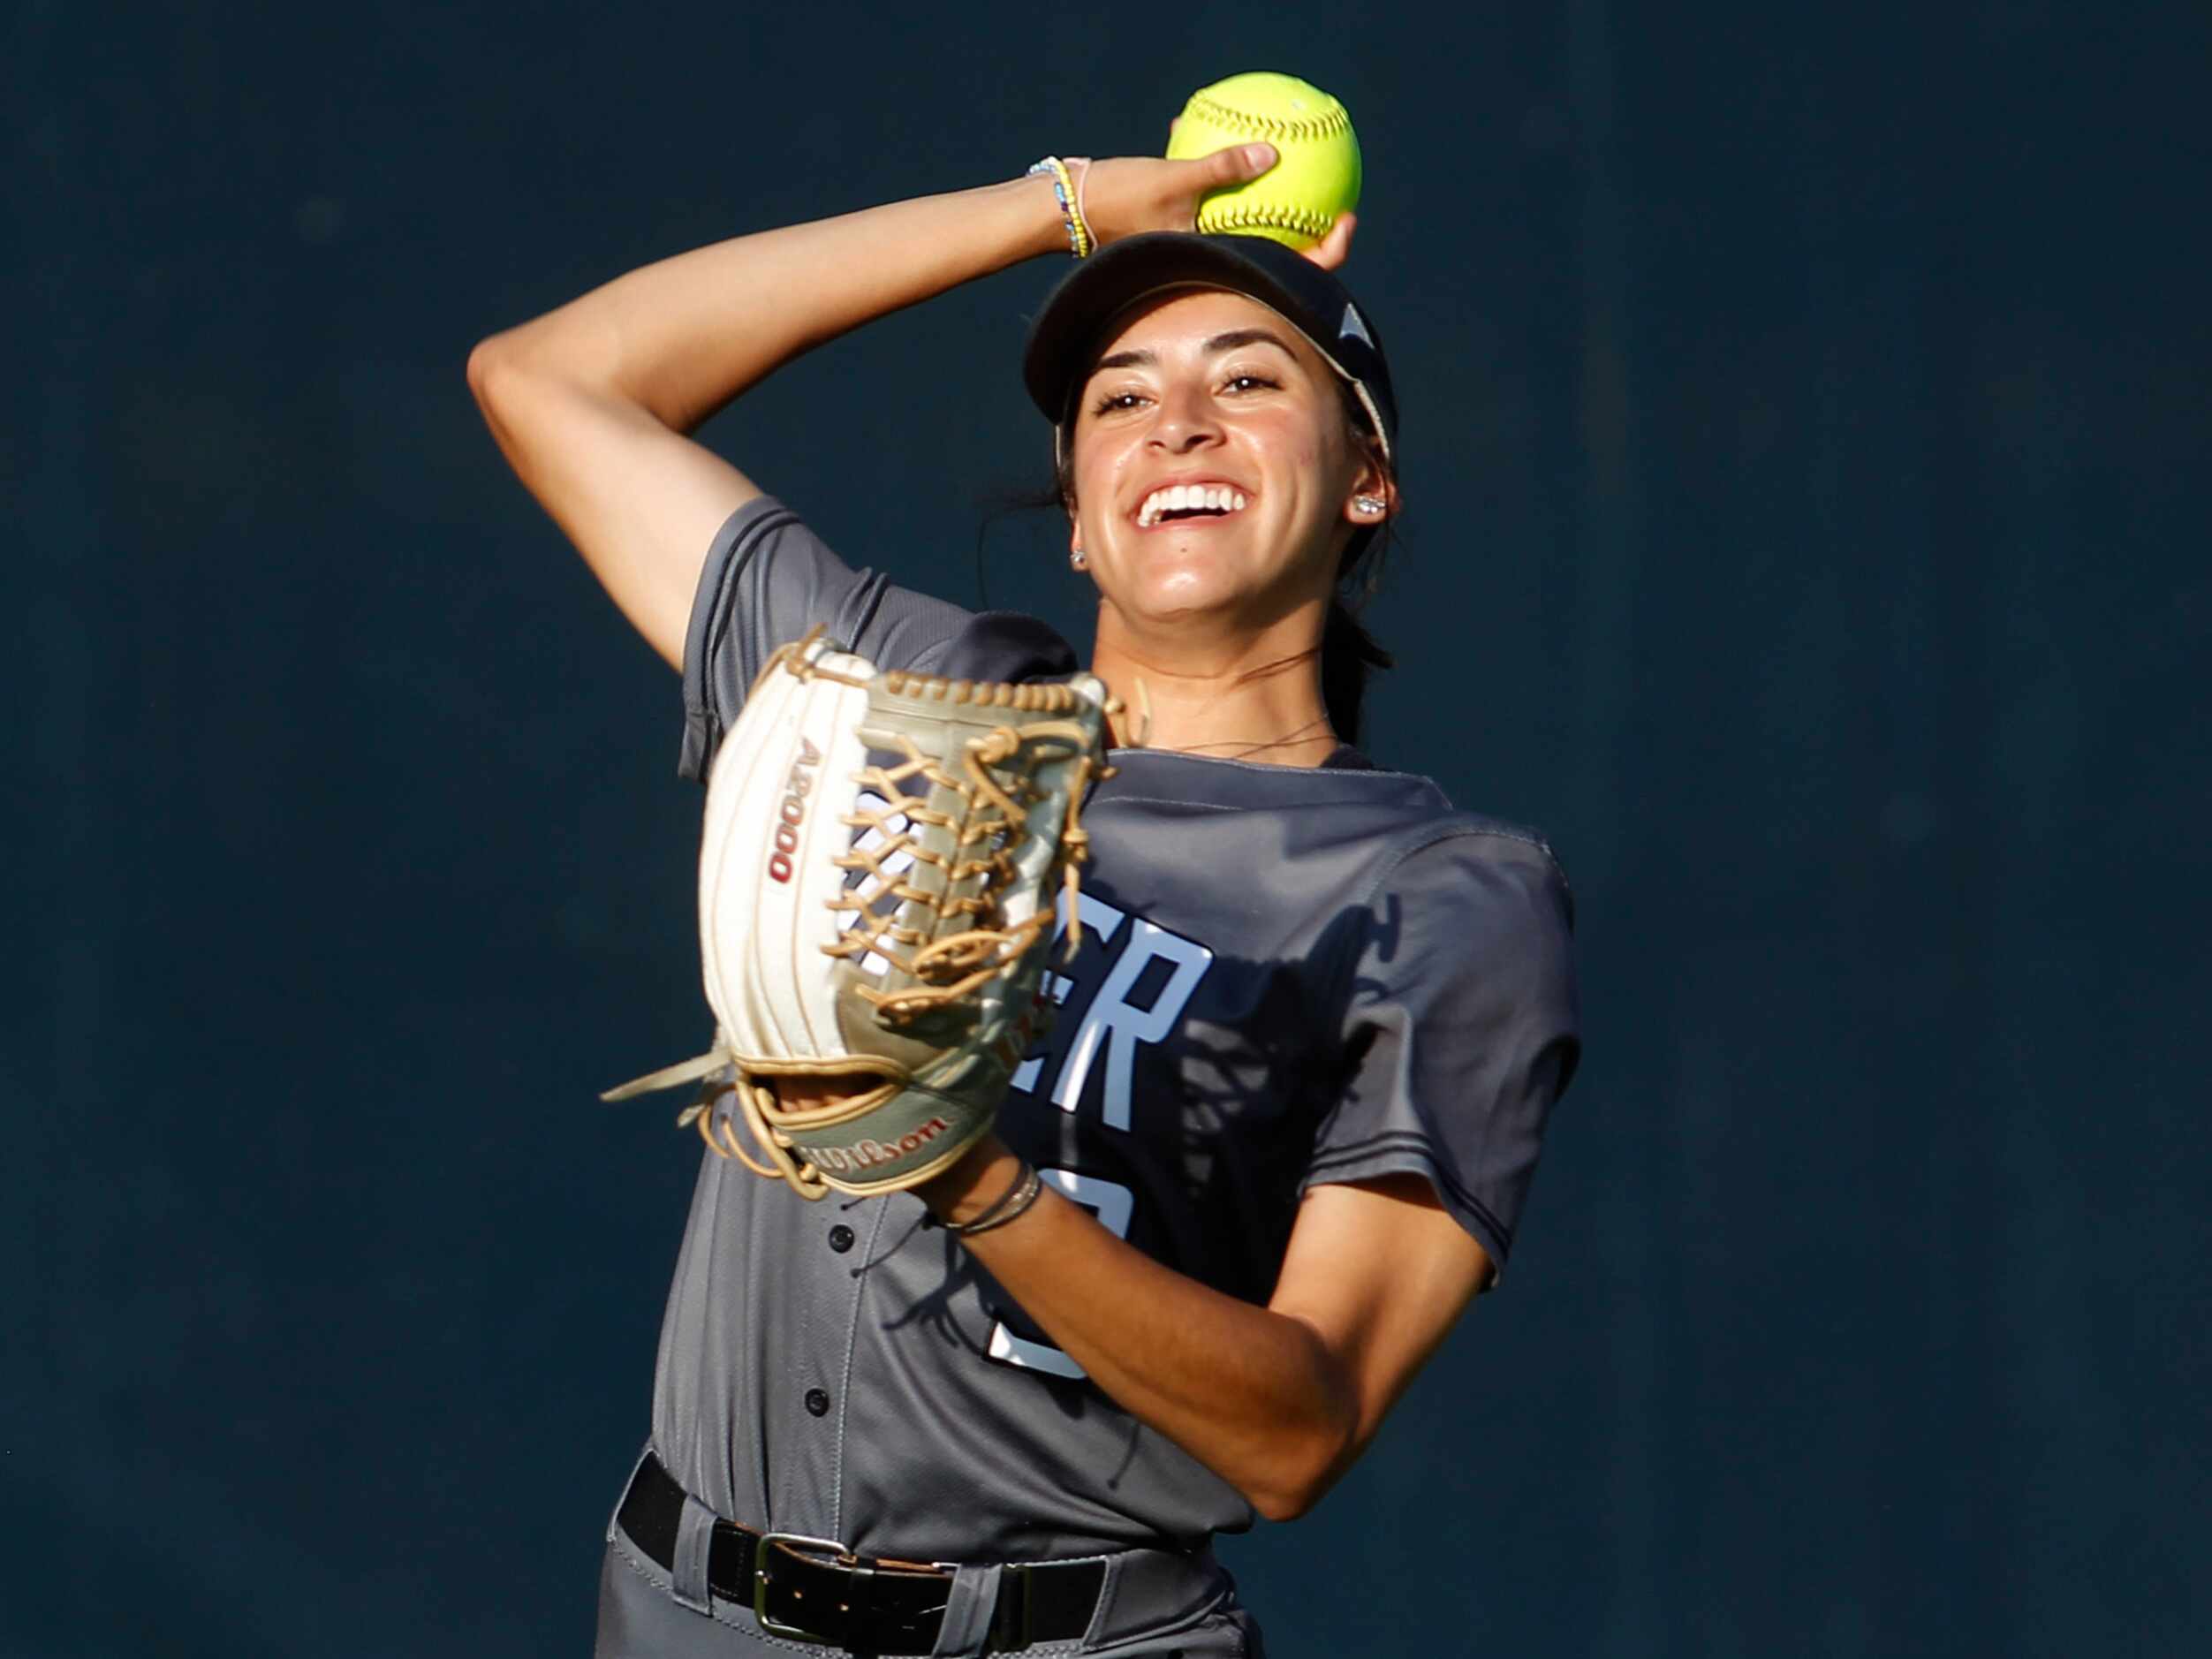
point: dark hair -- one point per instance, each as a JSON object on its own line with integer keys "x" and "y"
{"x": 1348, "y": 654}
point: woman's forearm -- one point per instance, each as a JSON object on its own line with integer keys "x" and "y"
{"x": 1256, "y": 1396}
{"x": 681, "y": 337}
{"x": 592, "y": 403}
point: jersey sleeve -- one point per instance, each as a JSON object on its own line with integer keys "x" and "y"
{"x": 1460, "y": 1028}
{"x": 769, "y": 578}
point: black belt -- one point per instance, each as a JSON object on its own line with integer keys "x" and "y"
{"x": 811, "y": 1589}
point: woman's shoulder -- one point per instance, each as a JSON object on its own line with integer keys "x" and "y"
{"x": 1446, "y": 852}
{"x": 1471, "y": 860}
{"x": 1000, "y": 644}
{"x": 1359, "y": 832}
{"x": 768, "y": 579}
{"x": 1408, "y": 806}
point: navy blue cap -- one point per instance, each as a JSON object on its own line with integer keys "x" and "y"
{"x": 1076, "y": 314}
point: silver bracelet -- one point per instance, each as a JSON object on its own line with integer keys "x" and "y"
{"x": 1010, "y": 1205}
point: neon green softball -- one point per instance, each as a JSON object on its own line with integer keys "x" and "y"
{"x": 1318, "y": 177}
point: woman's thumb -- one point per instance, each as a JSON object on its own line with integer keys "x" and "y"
{"x": 1246, "y": 161}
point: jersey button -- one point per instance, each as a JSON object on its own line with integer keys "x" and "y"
{"x": 818, "y": 1402}
{"x": 841, "y": 1238}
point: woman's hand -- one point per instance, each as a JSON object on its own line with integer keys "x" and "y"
{"x": 1129, "y": 195}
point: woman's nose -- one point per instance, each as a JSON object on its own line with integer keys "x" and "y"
{"x": 1185, "y": 421}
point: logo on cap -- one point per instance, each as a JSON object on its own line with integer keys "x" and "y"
{"x": 1353, "y": 327}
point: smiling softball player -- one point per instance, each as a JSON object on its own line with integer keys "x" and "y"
{"x": 1309, "y": 1020}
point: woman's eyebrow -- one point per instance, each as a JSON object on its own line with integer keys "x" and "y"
{"x": 1235, "y": 339}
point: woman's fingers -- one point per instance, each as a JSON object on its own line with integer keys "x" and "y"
{"x": 1333, "y": 249}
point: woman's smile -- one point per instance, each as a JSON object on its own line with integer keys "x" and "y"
{"x": 1193, "y": 501}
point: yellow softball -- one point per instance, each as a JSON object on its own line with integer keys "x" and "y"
{"x": 1296, "y": 201}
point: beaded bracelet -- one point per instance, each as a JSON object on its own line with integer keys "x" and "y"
{"x": 1011, "y": 1203}
{"x": 1079, "y": 241}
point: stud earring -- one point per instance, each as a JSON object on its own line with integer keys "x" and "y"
{"x": 1369, "y": 504}
{"x": 1076, "y": 561}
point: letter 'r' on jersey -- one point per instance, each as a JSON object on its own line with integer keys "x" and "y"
{"x": 1112, "y": 1018}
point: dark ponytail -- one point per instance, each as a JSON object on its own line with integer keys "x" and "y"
{"x": 1348, "y": 654}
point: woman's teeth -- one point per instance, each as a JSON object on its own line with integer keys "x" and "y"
{"x": 1188, "y": 498}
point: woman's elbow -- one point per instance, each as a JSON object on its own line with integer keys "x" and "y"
{"x": 1287, "y": 1499}
{"x": 520, "y": 391}
{"x": 1300, "y": 1470}
{"x": 491, "y": 368}
{"x": 1286, "y": 1505}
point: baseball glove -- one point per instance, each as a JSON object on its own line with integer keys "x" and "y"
{"x": 876, "y": 888}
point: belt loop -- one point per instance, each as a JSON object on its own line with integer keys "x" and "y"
{"x": 966, "y": 1627}
{"x": 1102, "y": 1615}
{"x": 1145, "y": 1591}
{"x": 614, "y": 1518}
{"x": 695, "y": 1542}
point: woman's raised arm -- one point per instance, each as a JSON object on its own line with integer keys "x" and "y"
{"x": 592, "y": 403}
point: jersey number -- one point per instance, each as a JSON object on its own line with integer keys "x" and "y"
{"x": 1113, "y": 1025}
{"x": 1112, "y": 1203}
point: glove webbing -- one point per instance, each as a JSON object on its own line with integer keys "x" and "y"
{"x": 979, "y": 952}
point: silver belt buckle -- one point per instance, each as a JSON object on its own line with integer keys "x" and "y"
{"x": 821, "y": 1546}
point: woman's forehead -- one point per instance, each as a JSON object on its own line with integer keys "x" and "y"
{"x": 1196, "y": 321}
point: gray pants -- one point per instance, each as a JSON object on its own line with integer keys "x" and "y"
{"x": 640, "y": 1618}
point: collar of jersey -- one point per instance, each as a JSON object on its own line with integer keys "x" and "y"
{"x": 1210, "y": 781}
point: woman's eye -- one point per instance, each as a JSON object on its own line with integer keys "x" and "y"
{"x": 1117, "y": 400}
{"x": 1248, "y": 382}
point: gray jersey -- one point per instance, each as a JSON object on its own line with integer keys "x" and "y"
{"x": 1288, "y": 976}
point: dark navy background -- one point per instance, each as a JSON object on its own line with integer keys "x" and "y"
{"x": 1806, "y": 423}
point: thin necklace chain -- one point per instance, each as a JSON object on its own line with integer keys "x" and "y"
{"x": 1318, "y": 728}
{"x": 1300, "y": 734}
